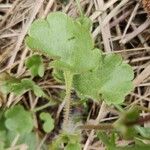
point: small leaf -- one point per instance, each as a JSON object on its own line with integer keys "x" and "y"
{"x": 48, "y": 125}
{"x": 18, "y": 120}
{"x": 6, "y": 82}
{"x": 66, "y": 138}
{"x": 58, "y": 75}
{"x": 19, "y": 87}
{"x": 111, "y": 80}
{"x": 125, "y": 125}
{"x": 36, "y": 66}
{"x": 38, "y": 91}
{"x": 109, "y": 141}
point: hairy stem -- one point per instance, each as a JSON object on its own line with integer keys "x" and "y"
{"x": 68, "y": 81}
{"x": 104, "y": 126}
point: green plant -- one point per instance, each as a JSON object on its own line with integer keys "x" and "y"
{"x": 72, "y": 141}
{"x": 9, "y": 83}
{"x": 82, "y": 67}
{"x": 110, "y": 142}
{"x": 36, "y": 66}
{"x": 16, "y": 122}
{"x": 48, "y": 125}
{"x": 77, "y": 62}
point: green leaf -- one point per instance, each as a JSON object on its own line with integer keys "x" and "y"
{"x": 18, "y": 120}
{"x": 6, "y": 82}
{"x": 111, "y": 80}
{"x": 26, "y": 85}
{"x": 48, "y": 125}
{"x": 66, "y": 138}
{"x": 28, "y": 139}
{"x": 58, "y": 75}
{"x": 73, "y": 50}
{"x": 143, "y": 131}
{"x": 86, "y": 22}
{"x": 19, "y": 86}
{"x": 36, "y": 66}
{"x": 38, "y": 91}
{"x": 125, "y": 125}
{"x": 109, "y": 141}
{"x": 75, "y": 146}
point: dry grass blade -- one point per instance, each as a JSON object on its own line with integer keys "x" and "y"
{"x": 142, "y": 76}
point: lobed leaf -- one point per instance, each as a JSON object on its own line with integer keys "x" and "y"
{"x": 18, "y": 120}
{"x": 67, "y": 41}
{"x": 111, "y": 80}
{"x": 19, "y": 86}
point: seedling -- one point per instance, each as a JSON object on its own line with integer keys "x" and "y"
{"x": 92, "y": 74}
{"x": 77, "y": 62}
{"x": 16, "y": 122}
{"x": 80, "y": 66}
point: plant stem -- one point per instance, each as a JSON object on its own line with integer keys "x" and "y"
{"x": 139, "y": 121}
{"x": 79, "y": 7}
{"x": 119, "y": 108}
{"x": 43, "y": 107}
{"x": 68, "y": 81}
{"x": 50, "y": 99}
{"x": 103, "y": 126}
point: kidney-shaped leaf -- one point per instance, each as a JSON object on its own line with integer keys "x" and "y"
{"x": 48, "y": 125}
{"x": 110, "y": 81}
